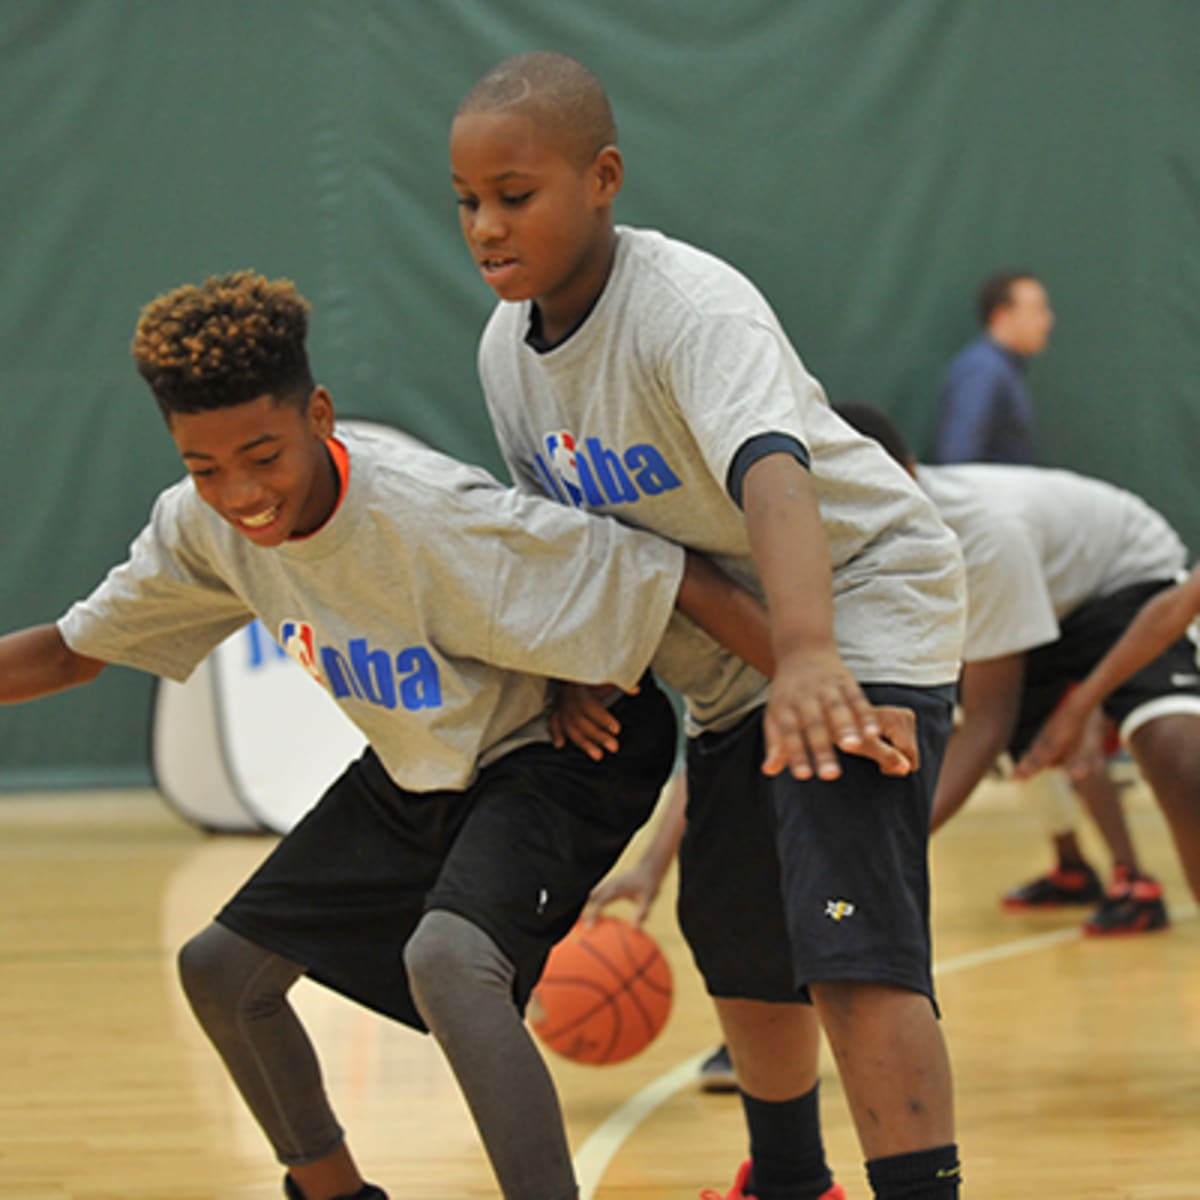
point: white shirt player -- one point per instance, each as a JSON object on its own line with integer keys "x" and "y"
{"x": 1038, "y": 543}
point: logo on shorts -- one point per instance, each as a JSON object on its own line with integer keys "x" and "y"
{"x": 1181, "y": 679}
{"x": 838, "y": 910}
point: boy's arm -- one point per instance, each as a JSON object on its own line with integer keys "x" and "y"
{"x": 733, "y": 617}
{"x": 641, "y": 883}
{"x": 815, "y": 703}
{"x": 1161, "y": 622}
{"x": 990, "y": 694}
{"x": 726, "y": 612}
{"x": 36, "y": 661}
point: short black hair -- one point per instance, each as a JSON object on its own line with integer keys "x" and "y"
{"x": 874, "y": 424}
{"x": 558, "y": 92}
{"x": 996, "y": 291}
{"x": 228, "y": 341}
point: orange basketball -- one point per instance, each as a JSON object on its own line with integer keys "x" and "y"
{"x": 604, "y": 995}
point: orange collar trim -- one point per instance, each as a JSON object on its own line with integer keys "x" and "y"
{"x": 341, "y": 464}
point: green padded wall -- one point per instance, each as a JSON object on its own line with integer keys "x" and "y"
{"x": 865, "y": 161}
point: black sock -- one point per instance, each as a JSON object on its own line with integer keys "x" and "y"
{"x": 786, "y": 1149}
{"x": 923, "y": 1175}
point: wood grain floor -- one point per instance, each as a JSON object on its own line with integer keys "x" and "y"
{"x": 1077, "y": 1061}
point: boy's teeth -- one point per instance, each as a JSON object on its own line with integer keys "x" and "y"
{"x": 261, "y": 519}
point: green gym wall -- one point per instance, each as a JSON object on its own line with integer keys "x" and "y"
{"x": 866, "y": 162}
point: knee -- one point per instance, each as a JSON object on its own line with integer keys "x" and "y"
{"x": 201, "y": 970}
{"x": 225, "y": 976}
{"x": 1168, "y": 752}
{"x": 447, "y": 953}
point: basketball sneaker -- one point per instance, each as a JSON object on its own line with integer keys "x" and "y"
{"x": 739, "y": 1188}
{"x": 368, "y": 1191}
{"x": 1134, "y": 904}
{"x": 716, "y": 1072}
{"x": 1062, "y": 888}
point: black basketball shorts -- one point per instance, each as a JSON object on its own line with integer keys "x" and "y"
{"x": 1170, "y": 684}
{"x": 786, "y": 882}
{"x": 516, "y": 853}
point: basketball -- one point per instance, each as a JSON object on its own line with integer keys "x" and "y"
{"x": 604, "y": 995}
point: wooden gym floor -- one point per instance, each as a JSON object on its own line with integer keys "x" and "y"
{"x": 1077, "y": 1061}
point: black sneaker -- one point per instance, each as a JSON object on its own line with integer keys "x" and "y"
{"x": 716, "y": 1072}
{"x": 1062, "y": 888}
{"x": 1134, "y": 904}
{"x": 368, "y": 1191}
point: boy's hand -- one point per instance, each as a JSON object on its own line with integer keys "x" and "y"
{"x": 581, "y": 717}
{"x": 639, "y": 884}
{"x": 1059, "y": 740}
{"x": 815, "y": 709}
{"x": 895, "y": 748}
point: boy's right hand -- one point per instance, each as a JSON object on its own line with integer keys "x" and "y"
{"x": 639, "y": 884}
{"x": 1058, "y": 741}
{"x": 894, "y": 748}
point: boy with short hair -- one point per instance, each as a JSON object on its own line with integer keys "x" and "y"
{"x": 433, "y": 877}
{"x": 634, "y": 375}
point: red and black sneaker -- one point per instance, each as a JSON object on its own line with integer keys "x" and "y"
{"x": 1134, "y": 904}
{"x": 836, "y": 1192}
{"x": 1064, "y": 887}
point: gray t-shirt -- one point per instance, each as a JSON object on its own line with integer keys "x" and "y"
{"x": 641, "y": 413}
{"x": 432, "y": 605}
{"x": 1039, "y": 543}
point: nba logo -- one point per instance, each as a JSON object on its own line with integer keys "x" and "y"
{"x": 560, "y": 449}
{"x": 298, "y": 641}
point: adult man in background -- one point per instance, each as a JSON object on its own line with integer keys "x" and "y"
{"x": 987, "y": 412}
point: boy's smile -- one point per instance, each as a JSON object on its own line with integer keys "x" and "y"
{"x": 538, "y": 223}
{"x": 262, "y": 465}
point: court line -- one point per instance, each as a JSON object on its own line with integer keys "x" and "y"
{"x": 602, "y": 1145}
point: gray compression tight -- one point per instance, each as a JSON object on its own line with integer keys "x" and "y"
{"x": 462, "y": 984}
{"x": 238, "y": 992}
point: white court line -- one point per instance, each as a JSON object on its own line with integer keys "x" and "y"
{"x": 601, "y": 1147}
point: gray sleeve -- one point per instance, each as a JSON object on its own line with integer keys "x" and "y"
{"x": 736, "y": 379}
{"x": 162, "y": 610}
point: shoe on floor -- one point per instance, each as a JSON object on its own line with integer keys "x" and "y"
{"x": 368, "y": 1191}
{"x": 716, "y": 1072}
{"x": 739, "y": 1188}
{"x": 1134, "y": 904}
{"x": 1062, "y": 888}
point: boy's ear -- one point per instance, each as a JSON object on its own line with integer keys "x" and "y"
{"x": 608, "y": 173}
{"x": 320, "y": 413}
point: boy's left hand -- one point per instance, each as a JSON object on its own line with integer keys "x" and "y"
{"x": 815, "y": 709}
{"x": 581, "y": 717}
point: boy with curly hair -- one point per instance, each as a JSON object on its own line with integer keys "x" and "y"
{"x": 631, "y": 374}
{"x": 434, "y": 875}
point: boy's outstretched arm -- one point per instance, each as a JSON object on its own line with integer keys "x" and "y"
{"x": 816, "y": 706}
{"x": 1161, "y": 622}
{"x": 36, "y": 661}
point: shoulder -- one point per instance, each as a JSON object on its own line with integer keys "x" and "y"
{"x": 980, "y": 358}
{"x": 401, "y": 477}
{"x": 697, "y": 280}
